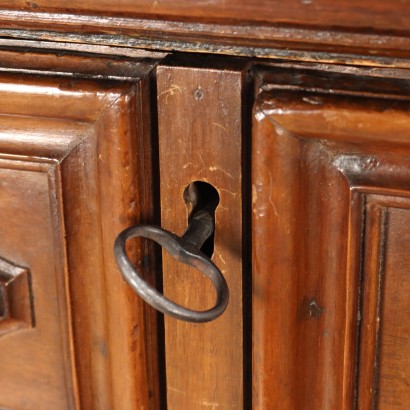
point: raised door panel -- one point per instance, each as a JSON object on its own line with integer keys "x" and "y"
{"x": 35, "y": 360}
{"x": 71, "y": 152}
{"x": 384, "y": 366}
{"x": 331, "y": 260}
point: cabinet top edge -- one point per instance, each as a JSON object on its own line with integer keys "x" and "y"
{"x": 368, "y": 15}
{"x": 361, "y": 42}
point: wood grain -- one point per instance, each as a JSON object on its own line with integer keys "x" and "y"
{"x": 385, "y": 342}
{"x": 200, "y": 139}
{"x": 318, "y": 30}
{"x": 59, "y": 61}
{"x": 33, "y": 377}
{"x": 394, "y": 376}
{"x": 69, "y": 186}
{"x": 316, "y": 158}
{"x": 369, "y": 14}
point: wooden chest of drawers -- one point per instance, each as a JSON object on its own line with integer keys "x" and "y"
{"x": 292, "y": 118}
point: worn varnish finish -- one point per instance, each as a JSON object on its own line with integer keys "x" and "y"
{"x": 300, "y": 43}
{"x": 384, "y": 355}
{"x": 71, "y": 155}
{"x": 200, "y": 139}
{"x": 331, "y": 182}
{"x": 129, "y": 67}
{"x": 30, "y": 373}
{"x": 372, "y": 32}
{"x": 330, "y": 200}
{"x": 370, "y": 14}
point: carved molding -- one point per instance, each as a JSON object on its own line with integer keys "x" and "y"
{"x": 328, "y": 173}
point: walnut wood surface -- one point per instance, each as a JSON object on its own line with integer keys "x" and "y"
{"x": 36, "y": 364}
{"x": 394, "y": 14}
{"x": 65, "y": 61}
{"x": 372, "y": 32}
{"x": 331, "y": 191}
{"x": 385, "y": 342}
{"x": 200, "y": 139}
{"x": 393, "y": 354}
{"x": 331, "y": 184}
{"x": 71, "y": 154}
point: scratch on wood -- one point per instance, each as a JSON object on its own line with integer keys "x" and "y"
{"x": 216, "y": 124}
{"x": 205, "y": 403}
{"x": 275, "y": 211}
{"x": 213, "y": 169}
{"x": 221, "y": 258}
{"x": 210, "y": 404}
{"x": 203, "y": 163}
{"x": 226, "y": 190}
{"x": 173, "y": 90}
{"x": 176, "y": 390}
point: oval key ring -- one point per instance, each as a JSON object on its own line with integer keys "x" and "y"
{"x": 185, "y": 249}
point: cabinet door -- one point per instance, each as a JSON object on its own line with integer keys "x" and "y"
{"x": 72, "y": 333}
{"x": 331, "y": 242}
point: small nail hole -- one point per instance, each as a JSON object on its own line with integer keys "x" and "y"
{"x": 198, "y": 94}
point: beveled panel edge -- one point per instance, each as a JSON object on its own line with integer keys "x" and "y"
{"x": 50, "y": 168}
{"x": 62, "y": 282}
{"x": 316, "y": 115}
{"x": 376, "y": 219}
{"x": 290, "y": 162}
{"x": 52, "y": 101}
{"x": 111, "y": 100}
{"x": 363, "y": 164}
{"x": 78, "y": 61}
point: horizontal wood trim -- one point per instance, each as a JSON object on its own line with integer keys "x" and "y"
{"x": 295, "y": 39}
{"x": 324, "y": 116}
{"x": 66, "y": 60}
{"x": 373, "y": 15}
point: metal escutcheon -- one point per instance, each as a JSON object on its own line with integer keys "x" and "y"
{"x": 185, "y": 249}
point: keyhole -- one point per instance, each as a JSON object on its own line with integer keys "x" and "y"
{"x": 201, "y": 195}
